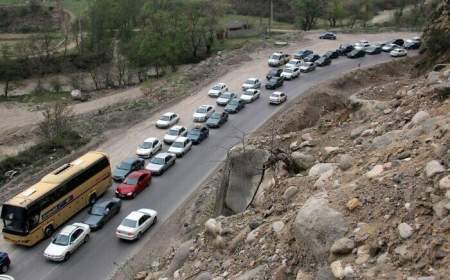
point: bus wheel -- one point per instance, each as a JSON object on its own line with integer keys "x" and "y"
{"x": 4, "y": 268}
{"x": 49, "y": 230}
{"x": 92, "y": 199}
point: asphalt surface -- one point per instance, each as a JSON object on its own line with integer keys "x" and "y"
{"x": 101, "y": 255}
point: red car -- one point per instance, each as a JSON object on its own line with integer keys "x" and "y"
{"x": 134, "y": 183}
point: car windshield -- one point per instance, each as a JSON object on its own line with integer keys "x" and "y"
{"x": 273, "y": 72}
{"x": 250, "y": 93}
{"x": 124, "y": 165}
{"x": 131, "y": 181}
{"x": 288, "y": 70}
{"x": 202, "y": 110}
{"x": 146, "y": 145}
{"x": 275, "y": 95}
{"x": 61, "y": 239}
{"x": 292, "y": 62}
{"x": 233, "y": 102}
{"x": 217, "y": 87}
{"x": 97, "y": 210}
{"x": 157, "y": 160}
{"x": 227, "y": 95}
{"x": 194, "y": 132}
{"x": 273, "y": 80}
{"x": 128, "y": 223}
{"x": 178, "y": 145}
{"x": 251, "y": 82}
{"x": 216, "y": 115}
{"x": 173, "y": 132}
{"x": 164, "y": 118}
{"x": 275, "y": 56}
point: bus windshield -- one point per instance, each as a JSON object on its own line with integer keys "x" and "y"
{"x": 14, "y": 218}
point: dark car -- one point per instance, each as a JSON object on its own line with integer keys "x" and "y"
{"x": 398, "y": 42}
{"x": 345, "y": 49}
{"x": 412, "y": 45}
{"x": 356, "y": 54}
{"x": 217, "y": 119}
{"x": 236, "y": 105}
{"x": 328, "y": 36}
{"x": 323, "y": 61}
{"x": 136, "y": 182}
{"x": 101, "y": 212}
{"x": 274, "y": 83}
{"x": 5, "y": 262}
{"x": 373, "y": 50}
{"x": 332, "y": 54}
{"x": 312, "y": 58}
{"x": 302, "y": 54}
{"x": 274, "y": 73}
{"x": 198, "y": 133}
{"x": 126, "y": 167}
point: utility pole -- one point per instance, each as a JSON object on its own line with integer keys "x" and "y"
{"x": 271, "y": 17}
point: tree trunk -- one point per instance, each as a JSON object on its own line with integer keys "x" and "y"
{"x": 6, "y": 89}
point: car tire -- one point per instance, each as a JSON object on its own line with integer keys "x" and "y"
{"x": 48, "y": 231}
{"x": 4, "y": 268}
{"x": 133, "y": 196}
{"x": 155, "y": 220}
{"x": 86, "y": 238}
{"x": 139, "y": 236}
{"x": 67, "y": 256}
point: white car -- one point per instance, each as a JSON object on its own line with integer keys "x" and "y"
{"x": 167, "y": 120}
{"x": 290, "y": 73}
{"x": 217, "y": 90}
{"x": 150, "y": 147}
{"x": 389, "y": 47}
{"x": 398, "y": 52}
{"x": 294, "y": 63}
{"x": 307, "y": 67}
{"x": 361, "y": 45}
{"x": 250, "y": 95}
{"x": 181, "y": 146}
{"x": 278, "y": 58}
{"x": 251, "y": 83}
{"x": 136, "y": 223}
{"x": 203, "y": 113}
{"x": 225, "y": 98}
{"x": 277, "y": 97}
{"x": 69, "y": 239}
{"x": 174, "y": 132}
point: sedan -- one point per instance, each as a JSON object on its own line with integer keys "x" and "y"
{"x": 134, "y": 184}
{"x": 204, "y": 111}
{"x": 250, "y": 95}
{"x": 225, "y": 98}
{"x": 332, "y": 54}
{"x": 307, "y": 67}
{"x": 412, "y": 44}
{"x": 217, "y": 119}
{"x": 181, "y": 146}
{"x": 5, "y": 262}
{"x": 136, "y": 223}
{"x": 217, "y": 90}
{"x": 373, "y": 50}
{"x": 235, "y": 106}
{"x": 344, "y": 49}
{"x": 302, "y": 54}
{"x": 311, "y": 58}
{"x": 290, "y": 73}
{"x": 356, "y": 53}
{"x": 274, "y": 73}
{"x": 398, "y": 52}
{"x": 160, "y": 163}
{"x": 251, "y": 83}
{"x": 389, "y": 47}
{"x": 328, "y": 36}
{"x": 293, "y": 63}
{"x": 174, "y": 132}
{"x": 167, "y": 120}
{"x": 150, "y": 147}
{"x": 277, "y": 97}
{"x": 101, "y": 212}
{"x": 323, "y": 61}
{"x": 126, "y": 167}
{"x": 69, "y": 239}
{"x": 198, "y": 133}
{"x": 274, "y": 83}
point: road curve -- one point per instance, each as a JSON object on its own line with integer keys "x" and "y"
{"x": 98, "y": 258}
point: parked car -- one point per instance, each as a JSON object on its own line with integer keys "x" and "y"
{"x": 134, "y": 184}
{"x": 167, "y": 120}
{"x": 293, "y": 63}
{"x": 225, "y": 98}
{"x": 412, "y": 44}
{"x": 417, "y": 38}
{"x": 181, "y": 146}
{"x": 311, "y": 58}
{"x": 136, "y": 224}
{"x": 307, "y": 67}
{"x": 160, "y": 163}
{"x": 361, "y": 45}
{"x": 234, "y": 106}
{"x": 250, "y": 95}
{"x": 331, "y": 54}
{"x": 150, "y": 147}
{"x": 101, "y": 212}
{"x": 290, "y": 73}
{"x": 251, "y": 83}
{"x": 5, "y": 262}
{"x": 356, "y": 53}
{"x": 389, "y": 47}
{"x": 198, "y": 133}
{"x": 302, "y": 54}
{"x": 276, "y": 72}
{"x": 278, "y": 59}
{"x": 373, "y": 49}
{"x": 323, "y": 61}
{"x": 217, "y": 119}
{"x": 173, "y": 133}
{"x": 67, "y": 241}
{"x": 204, "y": 111}
{"x": 344, "y": 49}
{"x": 277, "y": 97}
{"x": 274, "y": 83}
{"x": 126, "y": 167}
{"x": 398, "y": 42}
{"x": 398, "y": 52}
{"x": 217, "y": 90}
{"x": 328, "y": 36}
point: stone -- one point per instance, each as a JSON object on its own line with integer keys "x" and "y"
{"x": 141, "y": 275}
{"x": 181, "y": 254}
{"x": 331, "y": 150}
{"x": 349, "y": 273}
{"x": 301, "y": 275}
{"x": 440, "y": 209}
{"x": 280, "y": 273}
{"x": 405, "y": 230}
{"x": 320, "y": 168}
{"x": 254, "y": 274}
{"x": 324, "y": 179}
{"x": 376, "y": 171}
{"x": 302, "y": 160}
{"x": 444, "y": 183}
{"x": 344, "y": 162}
{"x": 355, "y": 133}
{"x": 294, "y": 146}
{"x": 213, "y": 227}
{"x": 307, "y": 144}
{"x": 219, "y": 242}
{"x": 342, "y": 246}
{"x": 420, "y": 117}
{"x": 278, "y": 227}
{"x": 383, "y": 258}
{"x": 307, "y": 137}
{"x": 368, "y": 132}
{"x": 290, "y": 192}
{"x": 251, "y": 236}
{"x": 337, "y": 269}
{"x": 204, "y": 276}
{"x": 353, "y": 204}
{"x": 362, "y": 254}
{"x": 433, "y": 168}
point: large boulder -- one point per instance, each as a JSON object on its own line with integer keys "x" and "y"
{"x": 180, "y": 257}
{"x": 320, "y": 168}
{"x": 303, "y": 160}
{"x": 317, "y": 226}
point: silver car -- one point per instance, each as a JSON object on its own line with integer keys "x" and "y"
{"x": 160, "y": 163}
{"x": 251, "y": 83}
{"x": 225, "y": 98}
{"x": 181, "y": 146}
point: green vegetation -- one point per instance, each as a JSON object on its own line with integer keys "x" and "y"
{"x": 255, "y": 21}
{"x": 40, "y": 97}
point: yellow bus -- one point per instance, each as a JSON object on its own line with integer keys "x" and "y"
{"x": 35, "y": 213}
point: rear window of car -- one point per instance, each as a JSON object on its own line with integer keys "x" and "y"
{"x": 129, "y": 223}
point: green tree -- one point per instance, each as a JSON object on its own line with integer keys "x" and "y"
{"x": 9, "y": 70}
{"x": 308, "y": 11}
{"x": 334, "y": 12}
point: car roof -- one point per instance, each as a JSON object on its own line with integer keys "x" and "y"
{"x": 294, "y": 60}
{"x": 137, "y": 173}
{"x": 151, "y": 139}
{"x": 168, "y": 114}
{"x": 181, "y": 139}
{"x": 204, "y": 106}
{"x": 103, "y": 203}
{"x": 176, "y": 127}
{"x": 277, "y": 92}
{"x": 135, "y": 215}
{"x": 251, "y": 90}
{"x": 277, "y": 53}
{"x": 252, "y": 79}
{"x": 68, "y": 229}
{"x": 220, "y": 84}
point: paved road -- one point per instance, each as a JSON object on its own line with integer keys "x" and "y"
{"x": 97, "y": 259}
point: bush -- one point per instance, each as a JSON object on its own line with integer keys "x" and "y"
{"x": 56, "y": 128}
{"x": 438, "y": 42}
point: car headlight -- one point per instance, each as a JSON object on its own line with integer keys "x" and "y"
{"x": 130, "y": 193}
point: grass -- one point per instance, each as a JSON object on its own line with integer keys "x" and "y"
{"x": 75, "y": 6}
{"x": 38, "y": 97}
{"x": 256, "y": 21}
